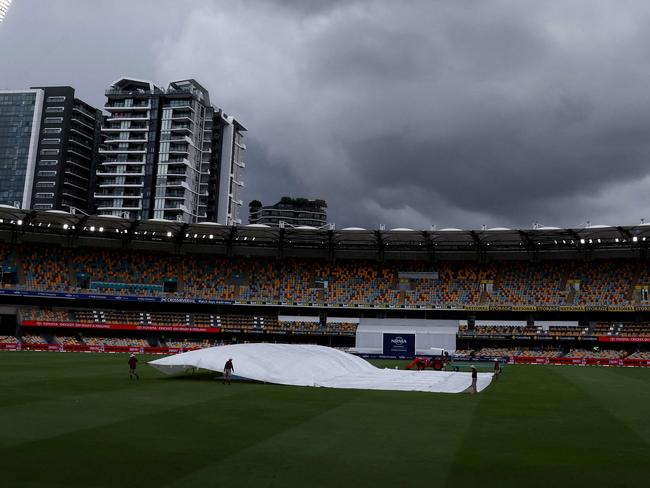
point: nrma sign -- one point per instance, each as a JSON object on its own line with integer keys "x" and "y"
{"x": 399, "y": 345}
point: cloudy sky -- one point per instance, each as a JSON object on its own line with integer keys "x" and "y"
{"x": 416, "y": 113}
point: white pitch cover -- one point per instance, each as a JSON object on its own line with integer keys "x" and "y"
{"x": 310, "y": 365}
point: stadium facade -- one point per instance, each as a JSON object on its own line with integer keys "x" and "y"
{"x": 169, "y": 154}
{"x": 48, "y": 149}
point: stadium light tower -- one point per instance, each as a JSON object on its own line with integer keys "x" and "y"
{"x": 4, "y": 8}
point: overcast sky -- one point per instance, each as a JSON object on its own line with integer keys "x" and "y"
{"x": 412, "y": 114}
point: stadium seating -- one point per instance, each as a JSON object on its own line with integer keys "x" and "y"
{"x": 599, "y": 354}
{"x": 344, "y": 282}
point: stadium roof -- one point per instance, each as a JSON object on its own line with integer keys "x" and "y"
{"x": 200, "y": 237}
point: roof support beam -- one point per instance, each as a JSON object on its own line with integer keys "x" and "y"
{"x": 530, "y": 244}
{"x": 480, "y": 246}
{"x": 431, "y": 248}
{"x": 379, "y": 239}
{"x": 232, "y": 236}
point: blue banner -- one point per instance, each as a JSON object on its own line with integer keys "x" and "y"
{"x": 400, "y": 346}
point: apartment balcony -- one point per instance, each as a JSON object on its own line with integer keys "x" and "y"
{"x": 182, "y": 128}
{"x": 120, "y": 107}
{"x": 115, "y": 184}
{"x": 137, "y": 165}
{"x": 176, "y": 174}
{"x": 84, "y": 144}
{"x": 79, "y": 155}
{"x": 79, "y": 121}
{"x": 83, "y": 133}
{"x": 241, "y": 164}
{"x": 108, "y": 208}
{"x": 134, "y": 140}
{"x": 241, "y": 145}
{"x": 122, "y": 151}
{"x": 72, "y": 174}
{"x": 181, "y": 116}
{"x": 79, "y": 198}
{"x": 107, "y": 173}
{"x": 113, "y": 196}
{"x": 77, "y": 164}
{"x": 127, "y": 116}
{"x": 83, "y": 111}
{"x": 142, "y": 128}
{"x": 68, "y": 182}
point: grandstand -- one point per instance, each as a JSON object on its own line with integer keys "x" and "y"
{"x": 541, "y": 294}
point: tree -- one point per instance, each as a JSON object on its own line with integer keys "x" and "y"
{"x": 254, "y": 205}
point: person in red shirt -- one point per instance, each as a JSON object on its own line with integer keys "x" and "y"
{"x": 227, "y": 371}
{"x": 133, "y": 362}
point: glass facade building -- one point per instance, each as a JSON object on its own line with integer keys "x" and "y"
{"x": 20, "y": 118}
{"x": 49, "y": 142}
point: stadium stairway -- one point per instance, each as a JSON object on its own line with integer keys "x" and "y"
{"x": 634, "y": 295}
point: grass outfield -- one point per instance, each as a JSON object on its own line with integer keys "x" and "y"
{"x": 76, "y": 420}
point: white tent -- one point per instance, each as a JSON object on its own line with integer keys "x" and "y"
{"x": 310, "y": 365}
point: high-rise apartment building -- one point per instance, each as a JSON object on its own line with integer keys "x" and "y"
{"x": 48, "y": 149}
{"x": 168, "y": 154}
{"x": 295, "y": 212}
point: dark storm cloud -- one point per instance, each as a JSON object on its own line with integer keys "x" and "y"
{"x": 403, "y": 113}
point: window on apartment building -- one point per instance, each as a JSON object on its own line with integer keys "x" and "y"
{"x": 45, "y": 184}
{"x": 58, "y": 98}
{"x": 42, "y": 206}
{"x": 54, "y": 109}
{"x": 48, "y": 162}
{"x": 52, "y": 130}
{"x": 45, "y": 195}
{"x": 51, "y": 141}
{"x": 47, "y": 173}
{"x": 49, "y": 152}
{"x": 53, "y": 120}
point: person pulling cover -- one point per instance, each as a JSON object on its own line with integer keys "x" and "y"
{"x": 474, "y": 378}
{"x": 227, "y": 371}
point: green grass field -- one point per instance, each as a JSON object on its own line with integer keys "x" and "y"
{"x": 76, "y": 420}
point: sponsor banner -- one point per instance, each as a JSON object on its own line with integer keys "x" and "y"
{"x": 620, "y": 308}
{"x": 98, "y": 348}
{"x": 119, "y": 298}
{"x": 622, "y": 339}
{"x": 500, "y": 307}
{"x": 581, "y": 361}
{"x": 597, "y": 308}
{"x": 572, "y": 308}
{"x": 399, "y": 345}
{"x": 524, "y": 308}
{"x": 547, "y": 308}
{"x": 480, "y": 308}
{"x": 82, "y": 325}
